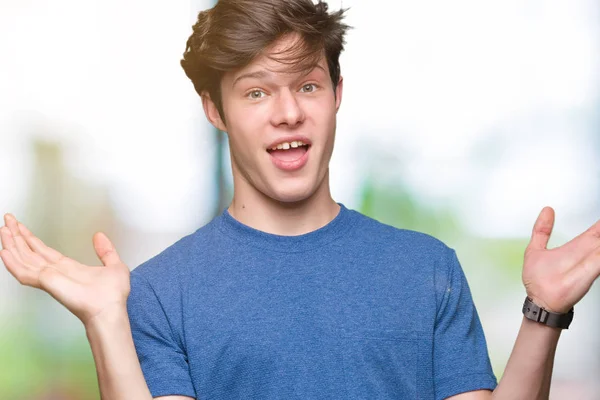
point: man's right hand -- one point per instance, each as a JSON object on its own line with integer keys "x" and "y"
{"x": 96, "y": 295}
{"x": 86, "y": 291}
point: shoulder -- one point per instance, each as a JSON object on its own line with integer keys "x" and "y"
{"x": 426, "y": 259}
{"x": 372, "y": 232}
{"x": 423, "y": 264}
{"x": 175, "y": 260}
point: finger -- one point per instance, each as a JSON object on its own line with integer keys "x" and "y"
{"x": 542, "y": 229}
{"x": 8, "y": 243}
{"x": 21, "y": 246}
{"x": 44, "y": 256}
{"x": 585, "y": 243}
{"x": 105, "y": 250}
{"x": 17, "y": 269}
{"x": 39, "y": 247}
{"x": 594, "y": 231}
{"x": 33, "y": 261}
{"x": 11, "y": 264}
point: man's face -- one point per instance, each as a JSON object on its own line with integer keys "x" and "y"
{"x": 266, "y": 106}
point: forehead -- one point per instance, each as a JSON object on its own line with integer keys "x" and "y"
{"x": 287, "y": 57}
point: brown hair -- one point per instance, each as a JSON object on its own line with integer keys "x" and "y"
{"x": 230, "y": 35}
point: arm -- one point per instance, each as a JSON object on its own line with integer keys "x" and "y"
{"x": 119, "y": 372}
{"x": 96, "y": 295}
{"x": 556, "y": 280}
{"x": 529, "y": 369}
{"x": 117, "y": 365}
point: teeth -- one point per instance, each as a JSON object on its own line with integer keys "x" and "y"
{"x": 287, "y": 145}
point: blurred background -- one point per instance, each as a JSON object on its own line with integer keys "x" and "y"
{"x": 460, "y": 119}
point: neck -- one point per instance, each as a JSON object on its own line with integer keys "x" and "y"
{"x": 265, "y": 214}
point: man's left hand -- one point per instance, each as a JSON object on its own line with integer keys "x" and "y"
{"x": 556, "y": 279}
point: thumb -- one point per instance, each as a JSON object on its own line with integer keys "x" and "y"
{"x": 542, "y": 229}
{"x": 105, "y": 250}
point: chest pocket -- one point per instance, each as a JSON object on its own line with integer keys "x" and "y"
{"x": 381, "y": 364}
{"x": 386, "y": 348}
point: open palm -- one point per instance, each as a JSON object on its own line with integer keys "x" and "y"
{"x": 558, "y": 278}
{"x": 84, "y": 290}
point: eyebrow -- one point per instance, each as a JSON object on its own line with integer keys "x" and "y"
{"x": 263, "y": 74}
{"x": 256, "y": 75}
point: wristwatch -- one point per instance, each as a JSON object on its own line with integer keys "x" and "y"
{"x": 538, "y": 314}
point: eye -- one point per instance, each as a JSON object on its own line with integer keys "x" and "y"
{"x": 308, "y": 88}
{"x": 256, "y": 94}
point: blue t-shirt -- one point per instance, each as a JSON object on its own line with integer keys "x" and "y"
{"x": 354, "y": 310}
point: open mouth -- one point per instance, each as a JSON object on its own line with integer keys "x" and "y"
{"x": 289, "y": 151}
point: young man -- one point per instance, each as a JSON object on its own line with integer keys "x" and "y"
{"x": 289, "y": 294}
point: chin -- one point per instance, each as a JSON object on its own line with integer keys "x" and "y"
{"x": 292, "y": 195}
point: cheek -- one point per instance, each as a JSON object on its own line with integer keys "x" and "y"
{"x": 246, "y": 131}
{"x": 239, "y": 107}
{"x": 245, "y": 123}
{"x": 322, "y": 115}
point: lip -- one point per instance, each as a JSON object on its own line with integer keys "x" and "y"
{"x": 289, "y": 166}
{"x": 289, "y": 139}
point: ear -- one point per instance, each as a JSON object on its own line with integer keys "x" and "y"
{"x": 211, "y": 112}
{"x": 339, "y": 89}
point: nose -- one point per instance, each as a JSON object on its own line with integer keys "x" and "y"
{"x": 287, "y": 110}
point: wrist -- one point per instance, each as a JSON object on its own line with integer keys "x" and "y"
{"x": 542, "y": 304}
{"x": 536, "y": 326}
{"x": 539, "y": 314}
{"x": 112, "y": 317}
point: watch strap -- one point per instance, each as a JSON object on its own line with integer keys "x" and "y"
{"x": 538, "y": 314}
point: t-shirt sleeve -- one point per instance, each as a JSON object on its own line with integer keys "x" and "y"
{"x": 461, "y": 360}
{"x": 163, "y": 359}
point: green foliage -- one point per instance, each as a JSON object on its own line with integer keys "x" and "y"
{"x": 396, "y": 206}
{"x": 32, "y": 369}
{"x": 503, "y": 254}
